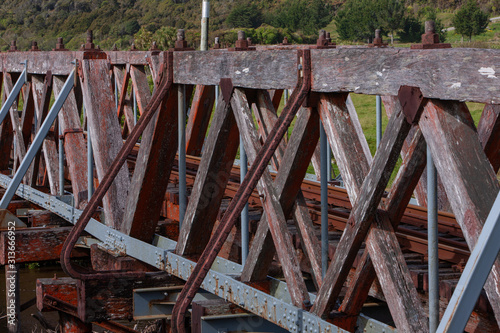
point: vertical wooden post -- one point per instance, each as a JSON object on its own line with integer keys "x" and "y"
{"x": 42, "y": 91}
{"x": 199, "y": 117}
{"x": 106, "y": 135}
{"x": 75, "y": 145}
{"x": 152, "y": 170}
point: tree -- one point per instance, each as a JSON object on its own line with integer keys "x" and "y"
{"x": 470, "y": 20}
{"x": 393, "y": 16}
{"x": 306, "y": 15}
{"x": 412, "y": 30}
{"x": 358, "y": 19}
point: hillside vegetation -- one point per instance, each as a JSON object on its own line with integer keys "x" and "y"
{"x": 118, "y": 21}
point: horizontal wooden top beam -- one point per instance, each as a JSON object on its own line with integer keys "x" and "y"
{"x": 452, "y": 74}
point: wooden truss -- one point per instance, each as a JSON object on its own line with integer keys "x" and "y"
{"x": 368, "y": 255}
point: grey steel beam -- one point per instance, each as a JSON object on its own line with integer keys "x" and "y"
{"x": 220, "y": 281}
{"x": 4, "y": 111}
{"x": 474, "y": 276}
{"x": 37, "y": 142}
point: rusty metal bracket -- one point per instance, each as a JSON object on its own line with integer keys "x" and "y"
{"x": 226, "y": 87}
{"x": 242, "y": 44}
{"x": 430, "y": 39}
{"x": 412, "y": 101}
{"x": 245, "y": 190}
{"x": 88, "y": 212}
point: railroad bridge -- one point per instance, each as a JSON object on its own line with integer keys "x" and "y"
{"x": 230, "y": 233}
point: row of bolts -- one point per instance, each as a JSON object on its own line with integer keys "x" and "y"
{"x": 323, "y": 40}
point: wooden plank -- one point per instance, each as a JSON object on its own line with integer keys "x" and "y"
{"x": 389, "y": 264}
{"x": 213, "y": 174}
{"x": 455, "y": 74}
{"x": 140, "y": 85}
{"x": 466, "y": 173}
{"x": 488, "y": 131}
{"x": 36, "y": 244}
{"x": 345, "y": 142}
{"x": 362, "y": 70}
{"x": 75, "y": 144}
{"x": 125, "y": 101}
{"x": 272, "y": 208}
{"x": 292, "y": 166}
{"x": 63, "y": 289}
{"x": 276, "y": 97}
{"x": 42, "y": 90}
{"x": 391, "y": 104}
{"x": 106, "y": 136}
{"x": 6, "y": 137}
{"x": 20, "y": 151}
{"x": 28, "y": 113}
{"x": 273, "y": 69}
{"x": 154, "y": 164}
{"x": 199, "y": 118}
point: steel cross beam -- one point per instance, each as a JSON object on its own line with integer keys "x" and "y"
{"x": 474, "y": 276}
{"x": 37, "y": 142}
{"x": 275, "y": 307}
{"x": 13, "y": 94}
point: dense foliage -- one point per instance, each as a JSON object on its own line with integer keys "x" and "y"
{"x": 123, "y": 22}
{"x": 470, "y": 20}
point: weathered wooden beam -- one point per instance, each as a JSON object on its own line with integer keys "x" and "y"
{"x": 20, "y": 151}
{"x": 382, "y": 243}
{"x": 275, "y": 216}
{"x": 75, "y": 144}
{"x": 42, "y": 218}
{"x": 36, "y": 244}
{"x": 6, "y": 137}
{"x": 292, "y": 166}
{"x": 213, "y": 174}
{"x": 199, "y": 118}
{"x": 106, "y": 135}
{"x": 466, "y": 172}
{"x": 125, "y": 100}
{"x": 104, "y": 261}
{"x": 140, "y": 85}
{"x": 42, "y": 90}
{"x": 100, "y": 300}
{"x": 27, "y": 116}
{"x": 266, "y": 117}
{"x": 277, "y": 94}
{"x": 152, "y": 169}
{"x": 63, "y": 288}
{"x": 488, "y": 131}
{"x": 391, "y": 104}
{"x": 461, "y": 76}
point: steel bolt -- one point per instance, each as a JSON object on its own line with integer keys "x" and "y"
{"x": 430, "y": 27}
{"x": 241, "y": 35}
{"x": 181, "y": 35}
{"x": 377, "y": 33}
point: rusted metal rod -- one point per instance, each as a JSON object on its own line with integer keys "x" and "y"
{"x": 240, "y": 199}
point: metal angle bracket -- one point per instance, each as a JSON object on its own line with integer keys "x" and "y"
{"x": 412, "y": 102}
